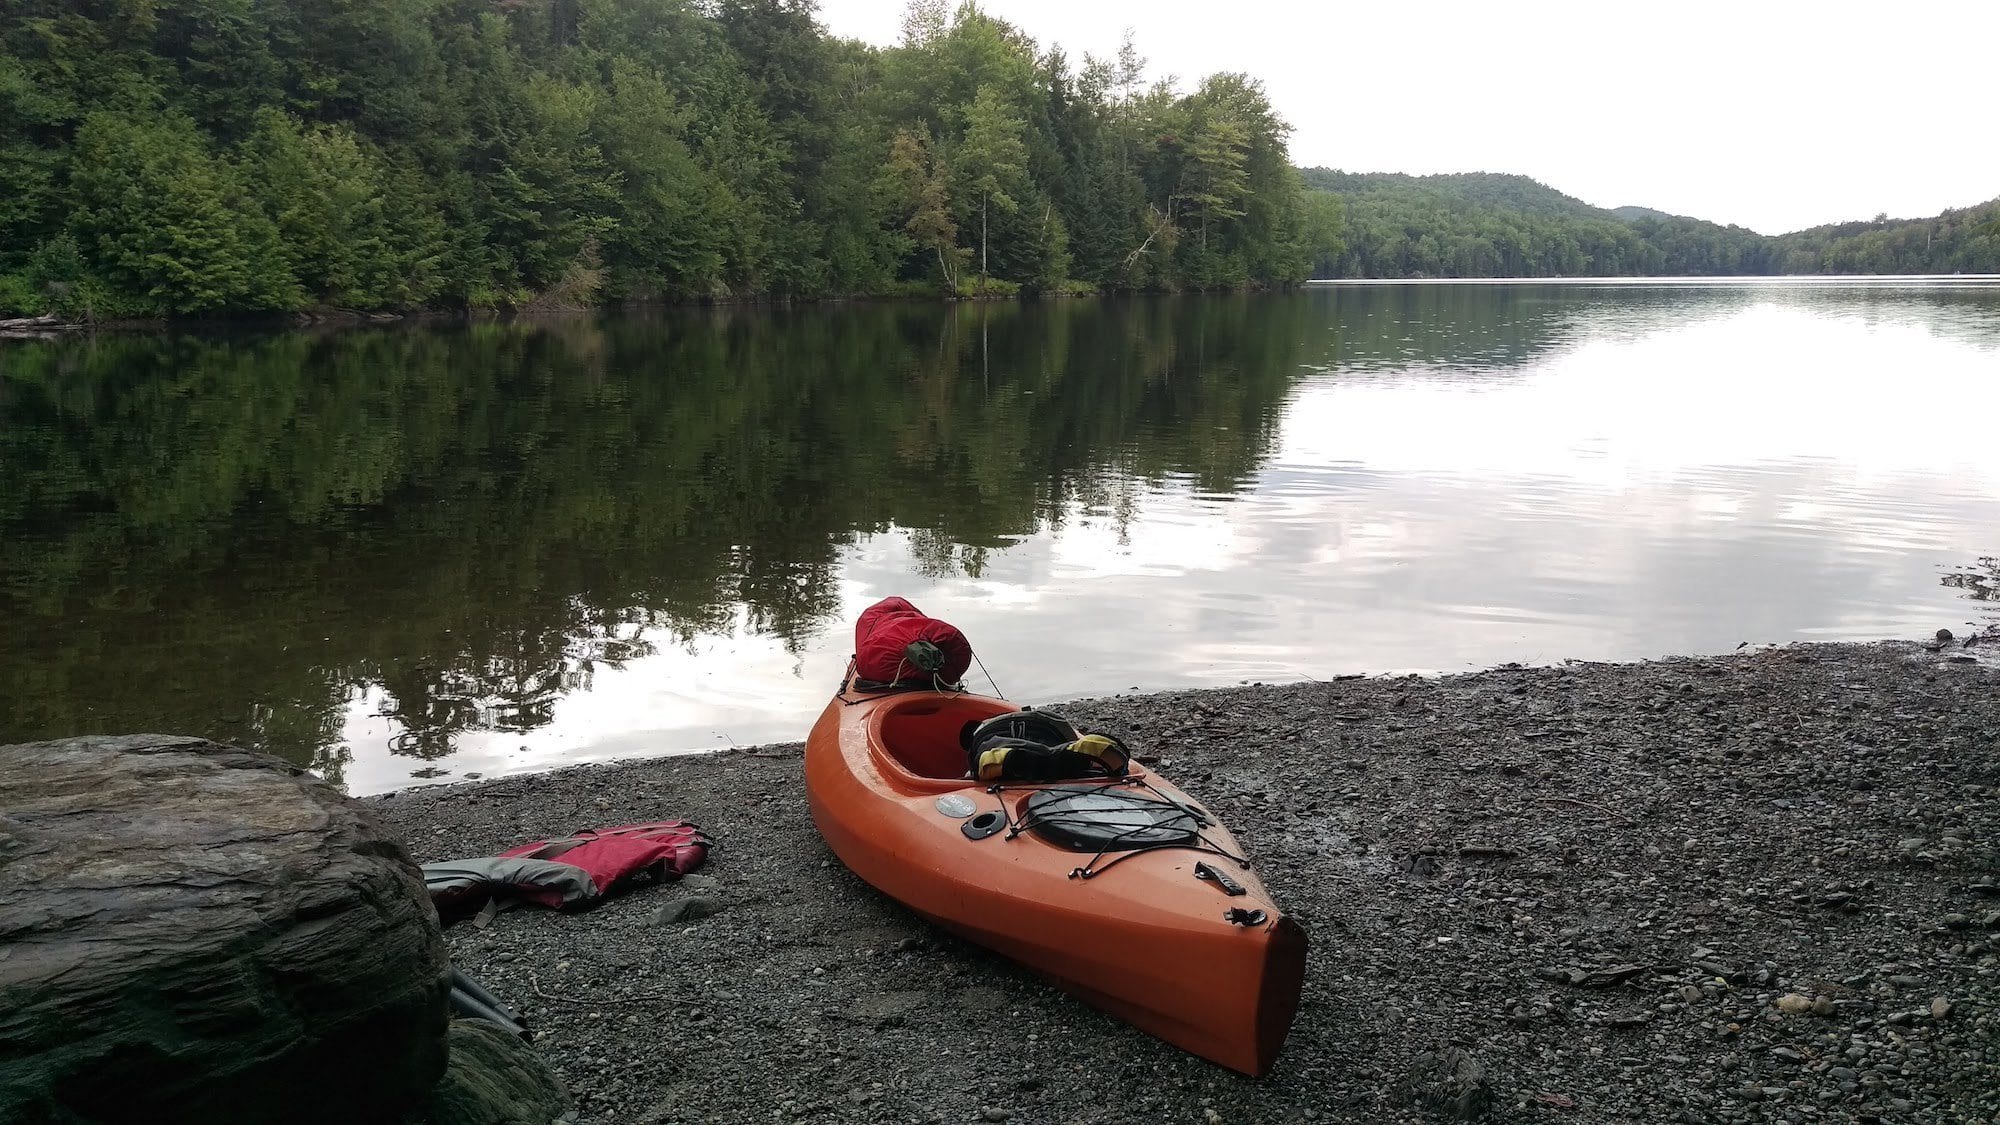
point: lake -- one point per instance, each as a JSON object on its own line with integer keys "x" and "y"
{"x": 409, "y": 551}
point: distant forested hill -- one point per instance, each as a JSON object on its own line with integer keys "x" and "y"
{"x": 1480, "y": 224}
{"x": 203, "y": 156}
{"x": 1470, "y": 189}
{"x": 1965, "y": 240}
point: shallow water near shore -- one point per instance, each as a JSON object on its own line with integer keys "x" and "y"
{"x": 402, "y": 552}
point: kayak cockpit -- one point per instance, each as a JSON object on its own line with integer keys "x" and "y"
{"x": 917, "y": 735}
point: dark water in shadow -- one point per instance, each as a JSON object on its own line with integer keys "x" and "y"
{"x": 499, "y": 547}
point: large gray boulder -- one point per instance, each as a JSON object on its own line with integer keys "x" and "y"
{"x": 192, "y": 932}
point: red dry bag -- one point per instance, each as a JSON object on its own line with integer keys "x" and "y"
{"x": 894, "y": 641}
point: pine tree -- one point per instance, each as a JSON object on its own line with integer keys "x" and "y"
{"x": 171, "y": 224}
{"x": 991, "y": 162}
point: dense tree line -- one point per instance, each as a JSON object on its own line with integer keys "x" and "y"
{"x": 1966, "y": 240}
{"x": 1486, "y": 225}
{"x": 202, "y": 156}
{"x": 195, "y": 156}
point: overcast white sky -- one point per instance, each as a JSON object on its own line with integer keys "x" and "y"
{"x": 1771, "y": 115}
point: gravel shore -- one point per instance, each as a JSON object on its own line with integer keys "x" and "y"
{"x": 1759, "y": 887}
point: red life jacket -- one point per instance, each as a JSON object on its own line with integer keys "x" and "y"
{"x": 884, "y": 634}
{"x": 569, "y": 873}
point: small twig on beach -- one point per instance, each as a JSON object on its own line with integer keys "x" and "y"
{"x": 1586, "y": 804}
{"x": 535, "y": 983}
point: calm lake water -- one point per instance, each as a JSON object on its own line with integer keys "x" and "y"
{"x": 389, "y": 552}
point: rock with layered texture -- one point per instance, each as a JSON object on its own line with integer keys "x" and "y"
{"x": 192, "y": 932}
{"x": 496, "y": 1079}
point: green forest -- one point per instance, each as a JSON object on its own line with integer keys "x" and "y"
{"x": 203, "y": 157}
{"x": 1487, "y": 225}
{"x": 187, "y": 157}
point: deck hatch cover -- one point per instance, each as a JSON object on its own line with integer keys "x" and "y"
{"x": 1096, "y": 818}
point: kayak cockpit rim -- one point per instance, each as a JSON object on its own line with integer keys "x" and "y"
{"x": 913, "y": 737}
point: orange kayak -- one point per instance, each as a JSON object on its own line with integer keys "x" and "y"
{"x": 1125, "y": 891}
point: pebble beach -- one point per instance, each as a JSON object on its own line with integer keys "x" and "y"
{"x": 1754, "y": 887}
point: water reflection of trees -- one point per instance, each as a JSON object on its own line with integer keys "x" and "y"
{"x": 1443, "y": 328}
{"x": 239, "y": 536}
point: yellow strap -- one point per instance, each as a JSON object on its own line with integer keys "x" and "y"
{"x": 993, "y": 763}
{"x": 1103, "y": 749}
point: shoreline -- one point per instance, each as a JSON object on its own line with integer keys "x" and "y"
{"x": 49, "y": 327}
{"x": 1755, "y": 887}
